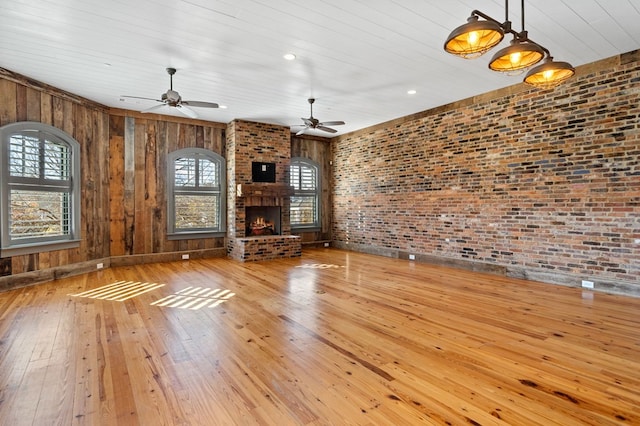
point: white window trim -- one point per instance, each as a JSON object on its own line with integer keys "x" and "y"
{"x": 172, "y": 233}
{"x": 10, "y": 248}
{"x": 317, "y": 192}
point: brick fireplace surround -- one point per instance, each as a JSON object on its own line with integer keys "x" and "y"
{"x": 248, "y": 142}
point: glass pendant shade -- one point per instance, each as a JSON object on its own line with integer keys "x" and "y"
{"x": 516, "y": 57}
{"x": 549, "y": 74}
{"x": 474, "y": 38}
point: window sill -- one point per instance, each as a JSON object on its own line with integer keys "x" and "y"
{"x": 194, "y": 235}
{"x": 18, "y": 250}
{"x": 305, "y": 229}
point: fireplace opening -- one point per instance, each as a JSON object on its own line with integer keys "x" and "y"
{"x": 262, "y": 220}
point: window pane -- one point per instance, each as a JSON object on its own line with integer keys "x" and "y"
{"x": 196, "y": 211}
{"x": 303, "y": 210}
{"x": 57, "y": 161}
{"x": 295, "y": 176}
{"x": 38, "y": 214}
{"x": 303, "y": 177}
{"x": 24, "y": 158}
{"x": 307, "y": 178}
{"x": 185, "y": 172}
{"x": 208, "y": 173}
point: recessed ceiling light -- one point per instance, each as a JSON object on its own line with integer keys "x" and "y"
{"x": 289, "y": 56}
{"x": 412, "y": 92}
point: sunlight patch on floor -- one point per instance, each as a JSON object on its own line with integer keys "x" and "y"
{"x": 119, "y": 291}
{"x": 195, "y": 298}
{"x": 318, "y": 266}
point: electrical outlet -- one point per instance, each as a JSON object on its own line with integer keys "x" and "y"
{"x": 326, "y": 244}
{"x": 100, "y": 265}
{"x": 587, "y": 284}
{"x": 185, "y": 257}
{"x": 412, "y": 257}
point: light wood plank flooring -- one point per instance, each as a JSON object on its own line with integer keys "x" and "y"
{"x": 332, "y": 338}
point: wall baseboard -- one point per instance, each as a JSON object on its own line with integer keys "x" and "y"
{"x": 612, "y": 287}
{"x": 25, "y": 279}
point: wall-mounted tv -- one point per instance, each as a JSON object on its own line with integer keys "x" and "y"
{"x": 263, "y": 172}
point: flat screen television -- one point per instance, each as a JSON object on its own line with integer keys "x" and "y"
{"x": 263, "y": 172}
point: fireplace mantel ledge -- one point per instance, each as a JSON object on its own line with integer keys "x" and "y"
{"x": 264, "y": 190}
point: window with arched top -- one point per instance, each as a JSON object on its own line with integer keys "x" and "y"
{"x": 39, "y": 190}
{"x": 304, "y": 176}
{"x": 196, "y": 194}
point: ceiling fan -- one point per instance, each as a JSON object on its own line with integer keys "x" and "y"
{"x": 173, "y": 99}
{"x": 314, "y": 123}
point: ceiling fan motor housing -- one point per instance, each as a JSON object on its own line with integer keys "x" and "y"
{"x": 171, "y": 97}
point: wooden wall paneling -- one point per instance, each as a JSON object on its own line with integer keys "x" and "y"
{"x": 171, "y": 144}
{"x": 199, "y": 137}
{"x": 18, "y": 264}
{"x": 46, "y": 108}
{"x": 219, "y": 141}
{"x": 159, "y": 213}
{"x": 34, "y": 105}
{"x": 87, "y": 183}
{"x": 101, "y": 136}
{"x": 151, "y": 191}
{"x": 21, "y": 103}
{"x": 44, "y": 260}
{"x": 319, "y": 150}
{"x": 8, "y": 104}
{"x": 139, "y": 222}
{"x": 5, "y": 268}
{"x": 68, "y": 116}
{"x": 208, "y": 136}
{"x": 53, "y": 259}
{"x": 58, "y": 113}
{"x": 116, "y": 186}
{"x": 190, "y": 136}
{"x": 129, "y": 184}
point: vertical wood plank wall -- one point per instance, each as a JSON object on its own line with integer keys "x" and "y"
{"x": 317, "y": 149}
{"x": 123, "y": 172}
{"x": 26, "y": 100}
{"x": 139, "y": 145}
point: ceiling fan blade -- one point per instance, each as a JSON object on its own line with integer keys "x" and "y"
{"x": 301, "y": 132}
{"x": 326, "y": 129}
{"x": 140, "y": 97}
{"x": 200, "y": 104}
{"x": 307, "y": 122}
{"x": 153, "y": 108}
{"x": 187, "y": 111}
{"x": 331, "y": 123}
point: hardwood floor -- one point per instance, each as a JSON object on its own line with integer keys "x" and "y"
{"x": 333, "y": 337}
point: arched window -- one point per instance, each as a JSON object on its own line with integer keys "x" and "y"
{"x": 305, "y": 202}
{"x": 196, "y": 195}
{"x": 40, "y": 190}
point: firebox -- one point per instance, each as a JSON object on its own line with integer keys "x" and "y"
{"x": 262, "y": 220}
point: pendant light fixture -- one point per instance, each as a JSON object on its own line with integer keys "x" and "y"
{"x": 476, "y": 37}
{"x": 516, "y": 57}
{"x": 549, "y": 74}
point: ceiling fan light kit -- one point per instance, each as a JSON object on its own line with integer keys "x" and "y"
{"x": 477, "y": 37}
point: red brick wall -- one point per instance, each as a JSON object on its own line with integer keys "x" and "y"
{"x": 540, "y": 184}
